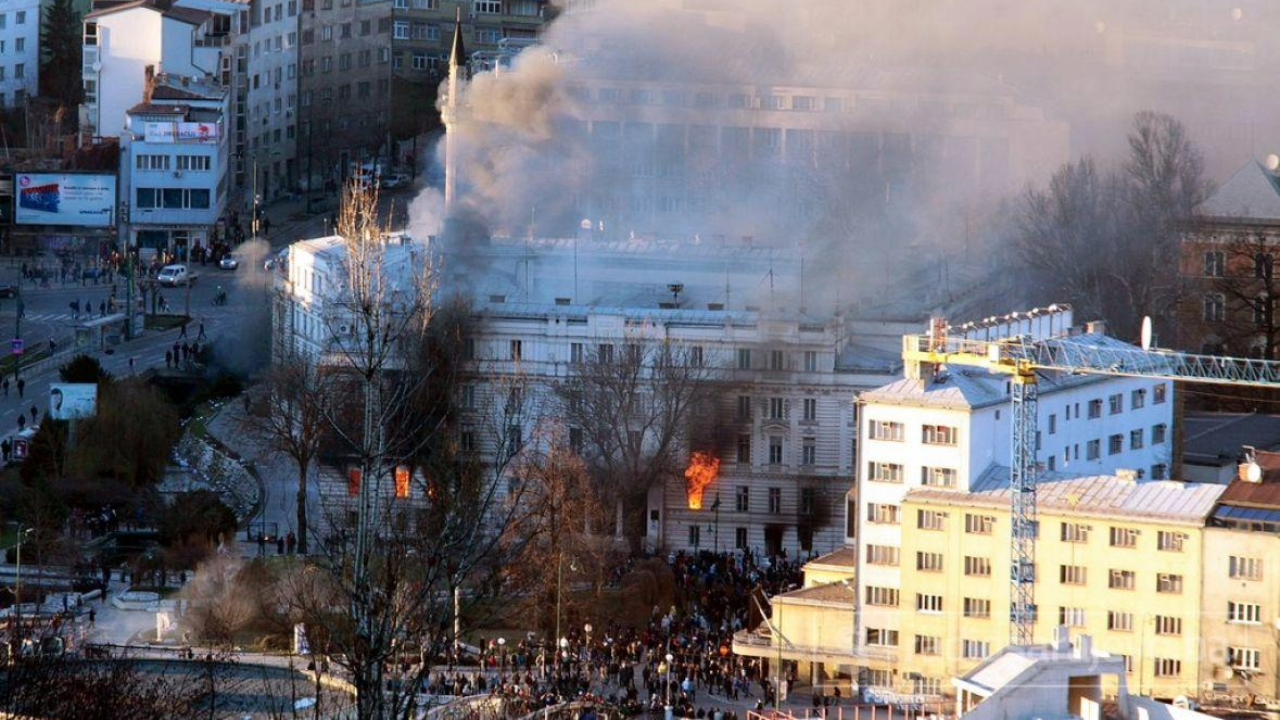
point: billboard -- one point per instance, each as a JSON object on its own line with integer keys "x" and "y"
{"x": 73, "y": 401}
{"x": 167, "y": 132}
{"x": 65, "y": 199}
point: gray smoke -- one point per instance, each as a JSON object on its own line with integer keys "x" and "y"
{"x": 939, "y": 88}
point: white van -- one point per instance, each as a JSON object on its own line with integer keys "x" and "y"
{"x": 173, "y": 275}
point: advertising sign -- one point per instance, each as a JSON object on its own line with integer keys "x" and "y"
{"x": 167, "y": 132}
{"x": 72, "y": 401}
{"x": 65, "y": 199}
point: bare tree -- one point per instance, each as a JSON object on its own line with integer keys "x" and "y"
{"x": 1105, "y": 240}
{"x": 628, "y": 413}
{"x": 1243, "y": 318}
{"x": 291, "y": 417}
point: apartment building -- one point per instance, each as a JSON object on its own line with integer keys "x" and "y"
{"x": 1117, "y": 558}
{"x": 1226, "y": 263}
{"x": 422, "y": 30}
{"x": 19, "y": 51}
{"x": 344, "y": 89}
{"x": 175, "y": 165}
{"x": 267, "y": 88}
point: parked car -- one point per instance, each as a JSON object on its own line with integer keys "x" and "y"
{"x": 175, "y": 275}
{"x": 394, "y": 182}
{"x": 229, "y": 262}
{"x": 8, "y": 291}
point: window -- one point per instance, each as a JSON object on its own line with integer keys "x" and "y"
{"x": 1095, "y": 409}
{"x": 810, "y": 361}
{"x": 882, "y": 637}
{"x": 1093, "y": 450}
{"x": 740, "y": 538}
{"x": 974, "y": 649}
{"x": 977, "y": 608}
{"x": 517, "y": 349}
{"x": 1124, "y": 537}
{"x": 1116, "y": 403}
{"x": 1215, "y": 307}
{"x": 1244, "y": 613}
{"x": 1244, "y": 568}
{"x": 938, "y": 477}
{"x": 696, "y": 356}
{"x": 810, "y": 409}
{"x": 695, "y": 535}
{"x": 742, "y": 499}
{"x": 1159, "y": 471}
{"x": 808, "y": 500}
{"x": 881, "y": 430}
{"x": 1214, "y": 263}
{"x": 488, "y": 7}
{"x": 1159, "y": 394}
{"x": 744, "y": 407}
{"x": 1170, "y": 541}
{"x": 882, "y": 555}
{"x": 1071, "y": 616}
{"x": 20, "y": 17}
{"x": 1137, "y": 399}
{"x": 777, "y": 408}
{"x": 979, "y": 524}
{"x": 1115, "y": 444}
{"x": 744, "y": 358}
{"x": 977, "y": 566}
{"x": 928, "y": 644}
{"x": 929, "y": 561}
{"x": 152, "y": 162}
{"x": 939, "y": 435}
{"x": 1168, "y": 667}
{"x": 1053, "y": 424}
{"x": 882, "y": 596}
{"x": 575, "y": 440}
{"x": 575, "y": 353}
{"x": 1122, "y": 580}
{"x": 1119, "y": 621}
{"x": 1135, "y": 439}
{"x": 775, "y": 500}
{"x": 884, "y": 472}
{"x": 808, "y": 452}
{"x": 928, "y": 603}
{"x": 1244, "y": 658}
{"x": 1073, "y": 575}
{"x": 882, "y": 514}
{"x": 200, "y": 163}
{"x": 931, "y": 520}
{"x": 744, "y": 448}
{"x": 775, "y": 450}
{"x": 777, "y": 360}
{"x": 1168, "y": 583}
{"x": 400, "y": 30}
{"x": 604, "y": 353}
{"x": 1168, "y": 625}
{"x": 1075, "y": 532}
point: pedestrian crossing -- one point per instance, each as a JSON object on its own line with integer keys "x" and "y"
{"x": 55, "y": 317}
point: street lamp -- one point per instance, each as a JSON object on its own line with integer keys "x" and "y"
{"x": 17, "y": 589}
{"x": 669, "y": 711}
{"x": 564, "y": 651}
{"x": 502, "y": 658}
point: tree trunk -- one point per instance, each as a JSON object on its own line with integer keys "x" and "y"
{"x": 302, "y": 507}
{"x": 619, "y": 515}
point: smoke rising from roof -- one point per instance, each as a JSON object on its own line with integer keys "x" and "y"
{"x": 851, "y": 128}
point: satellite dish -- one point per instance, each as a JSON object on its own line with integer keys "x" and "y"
{"x": 97, "y": 67}
{"x": 1236, "y": 14}
{"x": 1273, "y": 162}
{"x": 1146, "y": 332}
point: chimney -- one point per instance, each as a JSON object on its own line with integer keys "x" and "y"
{"x": 1084, "y": 647}
{"x": 1096, "y": 327}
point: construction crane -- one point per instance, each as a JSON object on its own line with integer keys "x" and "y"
{"x": 1022, "y": 357}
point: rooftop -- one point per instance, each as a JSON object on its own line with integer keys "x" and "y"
{"x": 1107, "y": 496}
{"x": 828, "y": 594}
{"x": 190, "y": 16}
{"x": 1217, "y": 438}
{"x": 844, "y": 558}
{"x": 1252, "y": 193}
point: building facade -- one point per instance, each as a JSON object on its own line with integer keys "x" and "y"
{"x": 19, "y": 52}
{"x": 175, "y": 166}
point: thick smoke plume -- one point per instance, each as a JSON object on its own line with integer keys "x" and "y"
{"x": 902, "y": 124}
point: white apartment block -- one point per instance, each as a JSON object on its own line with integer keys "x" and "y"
{"x": 250, "y": 48}
{"x": 950, "y": 428}
{"x": 175, "y": 156}
{"x": 19, "y": 51}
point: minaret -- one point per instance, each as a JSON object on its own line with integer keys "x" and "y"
{"x": 457, "y": 61}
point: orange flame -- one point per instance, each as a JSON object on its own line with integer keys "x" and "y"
{"x": 703, "y": 469}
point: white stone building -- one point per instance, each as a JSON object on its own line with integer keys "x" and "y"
{"x": 948, "y": 429}
{"x": 19, "y": 51}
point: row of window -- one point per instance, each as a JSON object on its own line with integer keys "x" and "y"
{"x": 1122, "y": 537}
{"x": 172, "y": 198}
{"x": 19, "y": 71}
{"x": 741, "y": 534}
{"x": 19, "y": 18}
{"x": 930, "y": 476}
{"x": 197, "y": 163}
{"x": 1215, "y": 264}
{"x": 896, "y": 432}
{"x": 344, "y": 31}
{"x": 345, "y": 62}
{"x": 696, "y": 356}
{"x": 1262, "y": 305}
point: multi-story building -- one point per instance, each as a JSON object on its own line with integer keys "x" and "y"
{"x": 1226, "y": 261}
{"x": 270, "y": 92}
{"x": 344, "y": 87}
{"x": 19, "y": 51}
{"x": 779, "y": 418}
{"x": 175, "y": 160}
